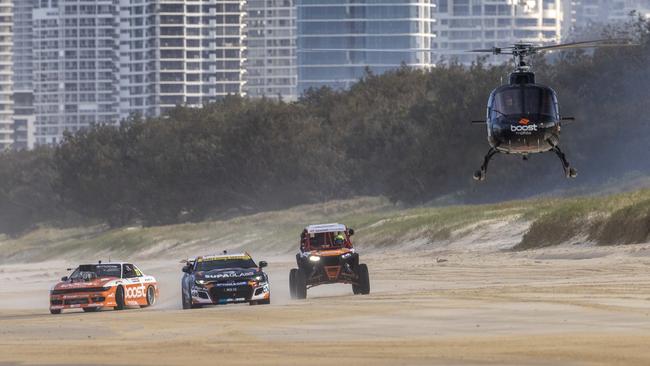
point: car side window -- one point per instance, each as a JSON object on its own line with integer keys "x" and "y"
{"x": 129, "y": 271}
{"x": 138, "y": 272}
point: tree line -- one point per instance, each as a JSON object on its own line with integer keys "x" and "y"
{"x": 405, "y": 134}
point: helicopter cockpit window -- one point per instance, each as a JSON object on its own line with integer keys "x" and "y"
{"x": 524, "y": 101}
{"x": 539, "y": 101}
{"x": 507, "y": 102}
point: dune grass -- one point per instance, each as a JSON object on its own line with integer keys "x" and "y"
{"x": 612, "y": 219}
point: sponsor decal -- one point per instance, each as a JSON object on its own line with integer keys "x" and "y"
{"x": 229, "y": 275}
{"x": 524, "y": 127}
{"x": 222, "y": 258}
{"x": 231, "y": 284}
{"x": 134, "y": 292}
{"x": 523, "y": 130}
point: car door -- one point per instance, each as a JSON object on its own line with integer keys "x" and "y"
{"x": 134, "y": 287}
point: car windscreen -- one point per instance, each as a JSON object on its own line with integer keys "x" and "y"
{"x": 324, "y": 241}
{"x": 100, "y": 270}
{"x": 524, "y": 100}
{"x": 223, "y": 263}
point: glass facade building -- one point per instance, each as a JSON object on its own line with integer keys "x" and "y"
{"x": 583, "y": 13}
{"x": 100, "y": 61}
{"x": 23, "y": 69}
{"x": 271, "y": 58}
{"x": 462, "y": 25}
{"x": 338, "y": 40}
{"x": 6, "y": 75}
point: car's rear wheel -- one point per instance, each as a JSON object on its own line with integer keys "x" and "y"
{"x": 55, "y": 311}
{"x": 292, "y": 282}
{"x": 151, "y": 297}
{"x": 90, "y": 310}
{"x": 301, "y": 284}
{"x": 363, "y": 280}
{"x": 119, "y": 298}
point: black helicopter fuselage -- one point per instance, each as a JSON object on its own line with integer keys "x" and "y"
{"x": 523, "y": 117}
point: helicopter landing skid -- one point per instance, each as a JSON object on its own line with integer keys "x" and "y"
{"x": 481, "y": 173}
{"x": 569, "y": 171}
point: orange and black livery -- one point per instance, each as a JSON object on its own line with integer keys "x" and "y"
{"x": 327, "y": 256}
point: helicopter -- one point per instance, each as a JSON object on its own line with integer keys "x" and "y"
{"x": 522, "y": 116}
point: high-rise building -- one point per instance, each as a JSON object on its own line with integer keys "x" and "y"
{"x": 75, "y": 64}
{"x": 271, "y": 49}
{"x": 100, "y": 61}
{"x": 338, "y": 40}
{"x": 138, "y": 58}
{"x": 201, "y": 51}
{"x": 462, "y": 25}
{"x": 583, "y": 13}
{"x": 23, "y": 92}
{"x": 6, "y": 75}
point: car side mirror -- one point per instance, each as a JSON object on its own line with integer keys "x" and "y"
{"x": 187, "y": 269}
{"x": 351, "y": 232}
{"x": 263, "y": 264}
{"x": 64, "y": 278}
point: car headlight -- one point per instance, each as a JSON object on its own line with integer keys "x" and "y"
{"x": 314, "y": 258}
{"x": 200, "y": 282}
{"x": 259, "y": 278}
{"x": 346, "y": 255}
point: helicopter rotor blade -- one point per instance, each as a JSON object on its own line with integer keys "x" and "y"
{"x": 612, "y": 42}
{"x": 494, "y": 50}
{"x": 483, "y": 50}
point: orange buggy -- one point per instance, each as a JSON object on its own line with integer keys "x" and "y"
{"x": 327, "y": 256}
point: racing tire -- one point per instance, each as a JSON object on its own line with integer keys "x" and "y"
{"x": 151, "y": 297}
{"x": 185, "y": 301}
{"x": 292, "y": 282}
{"x": 55, "y": 311}
{"x": 363, "y": 287}
{"x": 355, "y": 289}
{"x": 260, "y": 302}
{"x": 300, "y": 287}
{"x": 90, "y": 310}
{"x": 119, "y": 298}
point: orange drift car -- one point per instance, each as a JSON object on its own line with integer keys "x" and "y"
{"x": 94, "y": 286}
{"x": 327, "y": 256}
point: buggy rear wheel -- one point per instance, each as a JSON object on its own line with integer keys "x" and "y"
{"x": 363, "y": 280}
{"x": 301, "y": 284}
{"x": 292, "y": 282}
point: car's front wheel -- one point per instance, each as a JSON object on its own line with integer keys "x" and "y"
{"x": 261, "y": 302}
{"x": 119, "y": 298}
{"x": 55, "y": 311}
{"x": 187, "y": 303}
{"x": 90, "y": 310}
{"x": 151, "y": 297}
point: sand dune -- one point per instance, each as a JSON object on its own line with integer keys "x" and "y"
{"x": 573, "y": 305}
